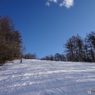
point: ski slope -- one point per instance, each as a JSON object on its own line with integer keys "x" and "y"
{"x": 36, "y": 77}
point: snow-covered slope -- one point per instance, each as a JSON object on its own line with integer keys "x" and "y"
{"x": 36, "y": 77}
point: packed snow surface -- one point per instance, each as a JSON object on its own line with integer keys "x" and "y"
{"x": 36, "y": 77}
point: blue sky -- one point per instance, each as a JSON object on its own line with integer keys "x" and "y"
{"x": 46, "y": 25}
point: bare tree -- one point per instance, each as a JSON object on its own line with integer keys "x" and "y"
{"x": 10, "y": 39}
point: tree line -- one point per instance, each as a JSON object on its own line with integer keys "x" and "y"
{"x": 77, "y": 49}
{"x": 56, "y": 57}
{"x": 10, "y": 40}
{"x": 29, "y": 56}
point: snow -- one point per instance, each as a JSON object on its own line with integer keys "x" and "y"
{"x": 36, "y": 77}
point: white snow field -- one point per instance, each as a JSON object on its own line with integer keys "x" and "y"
{"x": 36, "y": 77}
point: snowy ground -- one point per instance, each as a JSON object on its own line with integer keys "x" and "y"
{"x": 35, "y": 77}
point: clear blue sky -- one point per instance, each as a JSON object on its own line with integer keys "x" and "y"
{"x": 46, "y": 25}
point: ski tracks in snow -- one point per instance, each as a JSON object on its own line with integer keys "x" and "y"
{"x": 35, "y": 77}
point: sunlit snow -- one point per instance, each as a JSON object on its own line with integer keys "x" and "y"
{"x": 36, "y": 77}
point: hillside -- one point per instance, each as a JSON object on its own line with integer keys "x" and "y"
{"x": 36, "y": 77}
